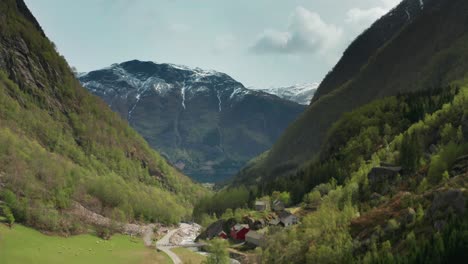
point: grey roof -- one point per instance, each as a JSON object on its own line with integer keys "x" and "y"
{"x": 214, "y": 229}
{"x": 239, "y": 227}
{"x": 254, "y": 235}
{"x": 284, "y": 214}
{"x": 278, "y": 202}
{"x": 274, "y": 221}
{"x": 260, "y": 203}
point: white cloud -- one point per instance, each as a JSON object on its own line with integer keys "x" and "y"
{"x": 307, "y": 33}
{"x": 360, "y": 18}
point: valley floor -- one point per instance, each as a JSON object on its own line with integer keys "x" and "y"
{"x": 24, "y": 245}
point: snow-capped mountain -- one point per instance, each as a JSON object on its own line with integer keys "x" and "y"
{"x": 205, "y": 122}
{"x": 300, "y": 93}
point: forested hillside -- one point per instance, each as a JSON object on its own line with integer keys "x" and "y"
{"x": 389, "y": 186}
{"x": 378, "y": 164}
{"x": 416, "y": 214}
{"x": 59, "y": 144}
{"x": 427, "y": 52}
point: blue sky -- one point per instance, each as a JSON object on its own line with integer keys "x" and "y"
{"x": 261, "y": 43}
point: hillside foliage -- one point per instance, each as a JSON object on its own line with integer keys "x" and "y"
{"x": 59, "y": 144}
{"x": 350, "y": 226}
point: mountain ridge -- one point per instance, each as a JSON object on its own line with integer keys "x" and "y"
{"x": 205, "y": 122}
{"x": 299, "y": 93}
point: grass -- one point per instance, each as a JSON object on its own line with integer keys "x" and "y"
{"x": 188, "y": 256}
{"x": 26, "y": 245}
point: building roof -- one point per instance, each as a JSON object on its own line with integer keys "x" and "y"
{"x": 260, "y": 203}
{"x": 274, "y": 221}
{"x": 214, "y": 229}
{"x": 254, "y": 235}
{"x": 284, "y": 214}
{"x": 278, "y": 202}
{"x": 239, "y": 227}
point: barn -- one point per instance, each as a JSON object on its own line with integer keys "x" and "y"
{"x": 239, "y": 231}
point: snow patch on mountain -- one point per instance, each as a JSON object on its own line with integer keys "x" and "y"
{"x": 133, "y": 80}
{"x": 299, "y": 93}
{"x": 182, "y": 91}
{"x": 239, "y": 93}
{"x": 219, "y": 101}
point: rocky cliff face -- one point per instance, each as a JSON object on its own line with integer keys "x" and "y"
{"x": 206, "y": 123}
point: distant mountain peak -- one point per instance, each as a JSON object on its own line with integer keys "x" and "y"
{"x": 204, "y": 121}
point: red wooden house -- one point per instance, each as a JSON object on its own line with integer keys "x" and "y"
{"x": 222, "y": 235}
{"x": 239, "y": 231}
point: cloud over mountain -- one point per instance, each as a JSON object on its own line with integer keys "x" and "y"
{"x": 307, "y": 33}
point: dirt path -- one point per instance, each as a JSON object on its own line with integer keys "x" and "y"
{"x": 165, "y": 246}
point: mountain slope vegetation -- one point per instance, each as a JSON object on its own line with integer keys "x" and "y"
{"x": 417, "y": 215}
{"x": 59, "y": 144}
{"x": 426, "y": 52}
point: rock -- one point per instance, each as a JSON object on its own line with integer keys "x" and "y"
{"x": 375, "y": 196}
{"x": 460, "y": 166}
{"x": 408, "y": 216}
{"x": 379, "y": 177}
{"x": 465, "y": 127}
{"x": 439, "y": 225}
{"x": 381, "y": 174}
{"x": 445, "y": 201}
{"x": 386, "y": 164}
{"x": 186, "y": 234}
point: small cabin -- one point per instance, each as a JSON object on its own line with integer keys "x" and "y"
{"x": 287, "y": 219}
{"x": 255, "y": 238}
{"x": 239, "y": 231}
{"x": 278, "y": 206}
{"x": 261, "y": 206}
{"x": 274, "y": 222}
{"x": 222, "y": 235}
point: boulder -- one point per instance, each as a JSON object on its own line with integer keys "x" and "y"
{"x": 446, "y": 201}
{"x": 439, "y": 225}
{"x": 408, "y": 216}
{"x": 375, "y": 196}
{"x": 460, "y": 166}
{"x": 379, "y": 177}
{"x": 465, "y": 127}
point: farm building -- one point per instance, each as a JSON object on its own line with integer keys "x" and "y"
{"x": 261, "y": 206}
{"x": 239, "y": 231}
{"x": 278, "y": 206}
{"x": 287, "y": 219}
{"x": 255, "y": 238}
{"x": 222, "y": 235}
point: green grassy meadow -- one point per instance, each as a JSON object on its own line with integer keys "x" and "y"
{"x": 188, "y": 256}
{"x": 22, "y": 245}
